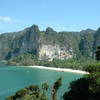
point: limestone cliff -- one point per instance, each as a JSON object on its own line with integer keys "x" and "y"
{"x": 49, "y": 44}
{"x": 49, "y": 52}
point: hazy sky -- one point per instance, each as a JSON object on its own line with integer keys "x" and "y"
{"x": 69, "y": 15}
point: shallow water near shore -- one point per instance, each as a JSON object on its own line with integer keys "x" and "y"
{"x": 13, "y": 78}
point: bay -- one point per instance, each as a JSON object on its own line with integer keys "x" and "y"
{"x": 13, "y": 78}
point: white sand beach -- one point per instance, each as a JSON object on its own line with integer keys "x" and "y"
{"x": 61, "y": 69}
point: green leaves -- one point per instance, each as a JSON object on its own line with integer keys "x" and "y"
{"x": 24, "y": 60}
{"x": 98, "y": 53}
{"x": 87, "y": 87}
{"x": 93, "y": 68}
{"x": 29, "y": 93}
{"x": 45, "y": 86}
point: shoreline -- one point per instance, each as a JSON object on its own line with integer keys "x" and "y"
{"x": 60, "y": 69}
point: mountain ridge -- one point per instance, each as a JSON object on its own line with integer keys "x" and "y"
{"x": 49, "y": 44}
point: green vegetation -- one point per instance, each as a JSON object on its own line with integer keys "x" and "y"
{"x": 55, "y": 88}
{"x": 70, "y": 63}
{"x": 29, "y": 93}
{"x": 93, "y": 68}
{"x": 31, "y": 39}
{"x": 24, "y": 60}
{"x": 36, "y": 93}
{"x": 87, "y": 87}
{"x": 28, "y": 59}
{"x": 98, "y": 53}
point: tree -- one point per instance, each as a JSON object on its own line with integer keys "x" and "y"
{"x": 45, "y": 86}
{"x": 29, "y": 93}
{"x": 98, "y": 53}
{"x": 85, "y": 88}
{"x": 91, "y": 68}
{"x": 55, "y": 88}
{"x": 78, "y": 90}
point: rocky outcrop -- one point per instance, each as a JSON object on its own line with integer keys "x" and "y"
{"x": 86, "y": 42}
{"x": 97, "y": 38}
{"x": 49, "y": 52}
{"x": 26, "y": 41}
{"x": 49, "y": 44}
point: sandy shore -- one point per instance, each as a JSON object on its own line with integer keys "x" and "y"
{"x": 60, "y": 69}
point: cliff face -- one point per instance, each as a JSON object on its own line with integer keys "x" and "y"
{"x": 14, "y": 44}
{"x": 87, "y": 42}
{"x": 97, "y": 38}
{"x": 48, "y": 44}
{"x": 49, "y": 52}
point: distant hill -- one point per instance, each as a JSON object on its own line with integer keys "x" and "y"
{"x": 49, "y": 44}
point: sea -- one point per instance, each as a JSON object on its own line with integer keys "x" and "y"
{"x": 13, "y": 78}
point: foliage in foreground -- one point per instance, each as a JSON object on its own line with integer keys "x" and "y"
{"x": 87, "y": 87}
{"x": 36, "y": 93}
{"x": 98, "y": 53}
{"x": 31, "y": 93}
{"x": 55, "y": 88}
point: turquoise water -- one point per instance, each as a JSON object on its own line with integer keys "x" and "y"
{"x": 13, "y": 78}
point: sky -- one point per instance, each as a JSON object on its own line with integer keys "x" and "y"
{"x": 61, "y": 15}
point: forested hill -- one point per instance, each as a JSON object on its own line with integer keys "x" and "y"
{"x": 49, "y": 44}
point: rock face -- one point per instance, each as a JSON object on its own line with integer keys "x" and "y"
{"x": 14, "y": 44}
{"x": 86, "y": 43}
{"x": 97, "y": 38}
{"x": 49, "y": 44}
{"x": 49, "y": 52}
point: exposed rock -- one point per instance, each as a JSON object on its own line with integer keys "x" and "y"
{"x": 49, "y": 52}
{"x": 49, "y": 44}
